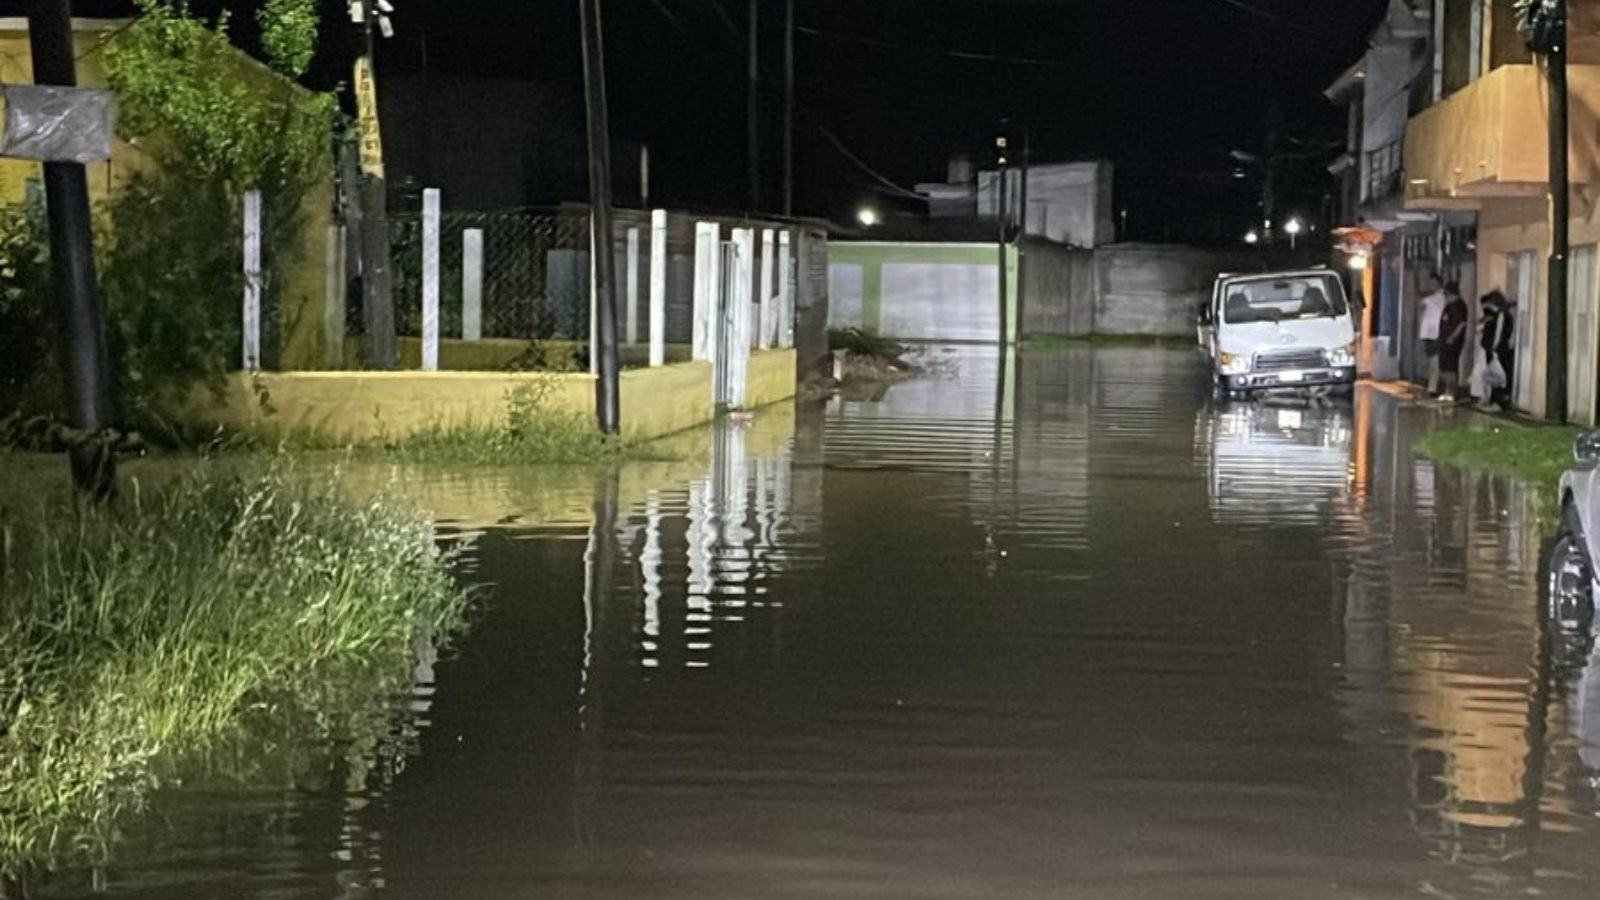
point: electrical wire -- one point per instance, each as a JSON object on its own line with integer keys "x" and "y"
{"x": 937, "y": 51}
{"x": 1270, "y": 16}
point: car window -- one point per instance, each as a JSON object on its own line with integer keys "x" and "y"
{"x": 1283, "y": 299}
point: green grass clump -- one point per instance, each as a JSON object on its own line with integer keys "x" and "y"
{"x": 532, "y": 433}
{"x": 182, "y": 621}
{"x": 860, "y": 343}
{"x": 1536, "y": 454}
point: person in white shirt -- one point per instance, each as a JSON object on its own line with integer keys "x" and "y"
{"x": 1433, "y": 304}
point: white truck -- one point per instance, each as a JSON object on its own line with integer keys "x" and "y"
{"x": 1279, "y": 332}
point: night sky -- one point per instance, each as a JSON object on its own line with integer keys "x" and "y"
{"x": 1164, "y": 88}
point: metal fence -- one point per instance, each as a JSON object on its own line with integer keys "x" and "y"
{"x": 535, "y": 273}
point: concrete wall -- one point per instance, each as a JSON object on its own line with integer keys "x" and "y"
{"x": 363, "y": 407}
{"x": 919, "y": 291}
{"x": 1153, "y": 290}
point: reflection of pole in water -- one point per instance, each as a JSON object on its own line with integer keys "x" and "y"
{"x": 600, "y": 561}
{"x": 650, "y": 564}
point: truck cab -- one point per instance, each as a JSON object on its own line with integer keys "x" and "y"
{"x": 1279, "y": 332}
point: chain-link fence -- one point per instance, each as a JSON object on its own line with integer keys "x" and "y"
{"x": 535, "y": 274}
{"x": 535, "y": 278}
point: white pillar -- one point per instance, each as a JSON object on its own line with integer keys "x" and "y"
{"x": 740, "y": 311}
{"x": 334, "y": 299}
{"x": 252, "y": 281}
{"x": 767, "y": 292}
{"x": 472, "y": 284}
{"x": 785, "y": 329}
{"x": 430, "y": 280}
{"x": 707, "y": 282}
{"x": 658, "y": 287}
{"x": 631, "y": 322}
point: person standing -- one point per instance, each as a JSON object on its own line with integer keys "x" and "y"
{"x": 1452, "y": 341}
{"x": 1433, "y": 304}
{"x": 1499, "y": 351}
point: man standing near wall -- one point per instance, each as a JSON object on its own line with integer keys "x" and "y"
{"x": 1433, "y": 303}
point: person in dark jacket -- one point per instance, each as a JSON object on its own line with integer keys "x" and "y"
{"x": 1452, "y": 340}
{"x": 1497, "y": 338}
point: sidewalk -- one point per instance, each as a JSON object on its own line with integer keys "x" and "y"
{"x": 1413, "y": 392}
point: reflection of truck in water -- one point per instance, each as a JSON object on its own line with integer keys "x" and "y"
{"x": 1275, "y": 464}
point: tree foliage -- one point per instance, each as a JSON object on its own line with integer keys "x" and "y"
{"x": 289, "y": 34}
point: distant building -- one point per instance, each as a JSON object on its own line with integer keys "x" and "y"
{"x": 1068, "y": 203}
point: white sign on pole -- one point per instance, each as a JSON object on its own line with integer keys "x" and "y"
{"x": 430, "y": 280}
{"x": 472, "y": 284}
{"x": 252, "y": 281}
{"x": 658, "y": 287}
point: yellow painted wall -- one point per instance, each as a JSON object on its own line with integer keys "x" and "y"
{"x": 303, "y": 294}
{"x": 771, "y": 377}
{"x": 16, "y": 67}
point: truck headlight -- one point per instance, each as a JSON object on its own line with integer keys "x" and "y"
{"x": 1342, "y": 357}
{"x": 1235, "y": 363}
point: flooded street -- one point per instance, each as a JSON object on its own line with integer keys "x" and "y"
{"x": 1059, "y": 629}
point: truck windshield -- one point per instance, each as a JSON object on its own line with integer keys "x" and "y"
{"x": 1283, "y": 299}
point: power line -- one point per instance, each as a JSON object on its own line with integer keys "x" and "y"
{"x": 968, "y": 55}
{"x": 1270, "y": 16}
{"x": 882, "y": 181}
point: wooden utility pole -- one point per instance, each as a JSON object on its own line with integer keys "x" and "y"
{"x": 753, "y": 107}
{"x": 788, "y": 108}
{"x": 77, "y": 293}
{"x": 377, "y": 293}
{"x": 607, "y": 392}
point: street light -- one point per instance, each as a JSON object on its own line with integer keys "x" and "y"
{"x": 867, "y": 216}
{"x": 1358, "y": 261}
{"x": 1293, "y": 227}
{"x": 1252, "y": 237}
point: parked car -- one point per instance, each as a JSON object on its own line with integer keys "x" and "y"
{"x": 1279, "y": 332}
{"x": 1569, "y": 564}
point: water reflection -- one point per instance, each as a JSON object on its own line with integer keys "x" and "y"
{"x": 1050, "y": 625}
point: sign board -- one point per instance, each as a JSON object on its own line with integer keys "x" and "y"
{"x": 58, "y": 124}
{"x": 367, "y": 113}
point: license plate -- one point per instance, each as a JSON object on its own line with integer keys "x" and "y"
{"x": 1291, "y": 377}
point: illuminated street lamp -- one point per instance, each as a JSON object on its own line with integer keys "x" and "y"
{"x": 1252, "y": 237}
{"x": 1293, "y": 227}
{"x": 1358, "y": 261}
{"x": 867, "y": 216}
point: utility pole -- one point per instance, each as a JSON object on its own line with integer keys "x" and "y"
{"x": 1543, "y": 24}
{"x": 607, "y": 393}
{"x": 753, "y": 107}
{"x": 1002, "y": 215}
{"x": 377, "y": 293}
{"x": 788, "y": 108}
{"x": 72, "y": 273}
{"x": 1560, "y": 222}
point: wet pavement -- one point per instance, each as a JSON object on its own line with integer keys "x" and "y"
{"x": 1073, "y": 631}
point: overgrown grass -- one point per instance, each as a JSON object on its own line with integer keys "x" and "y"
{"x": 1536, "y": 454}
{"x": 532, "y": 433}
{"x": 217, "y": 611}
{"x": 860, "y": 343}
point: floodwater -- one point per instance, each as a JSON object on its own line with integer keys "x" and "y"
{"x": 1072, "y": 632}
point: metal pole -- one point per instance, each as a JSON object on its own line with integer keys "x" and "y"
{"x": 753, "y": 108}
{"x": 77, "y": 294}
{"x": 1560, "y": 216}
{"x": 607, "y": 393}
{"x": 788, "y": 108}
